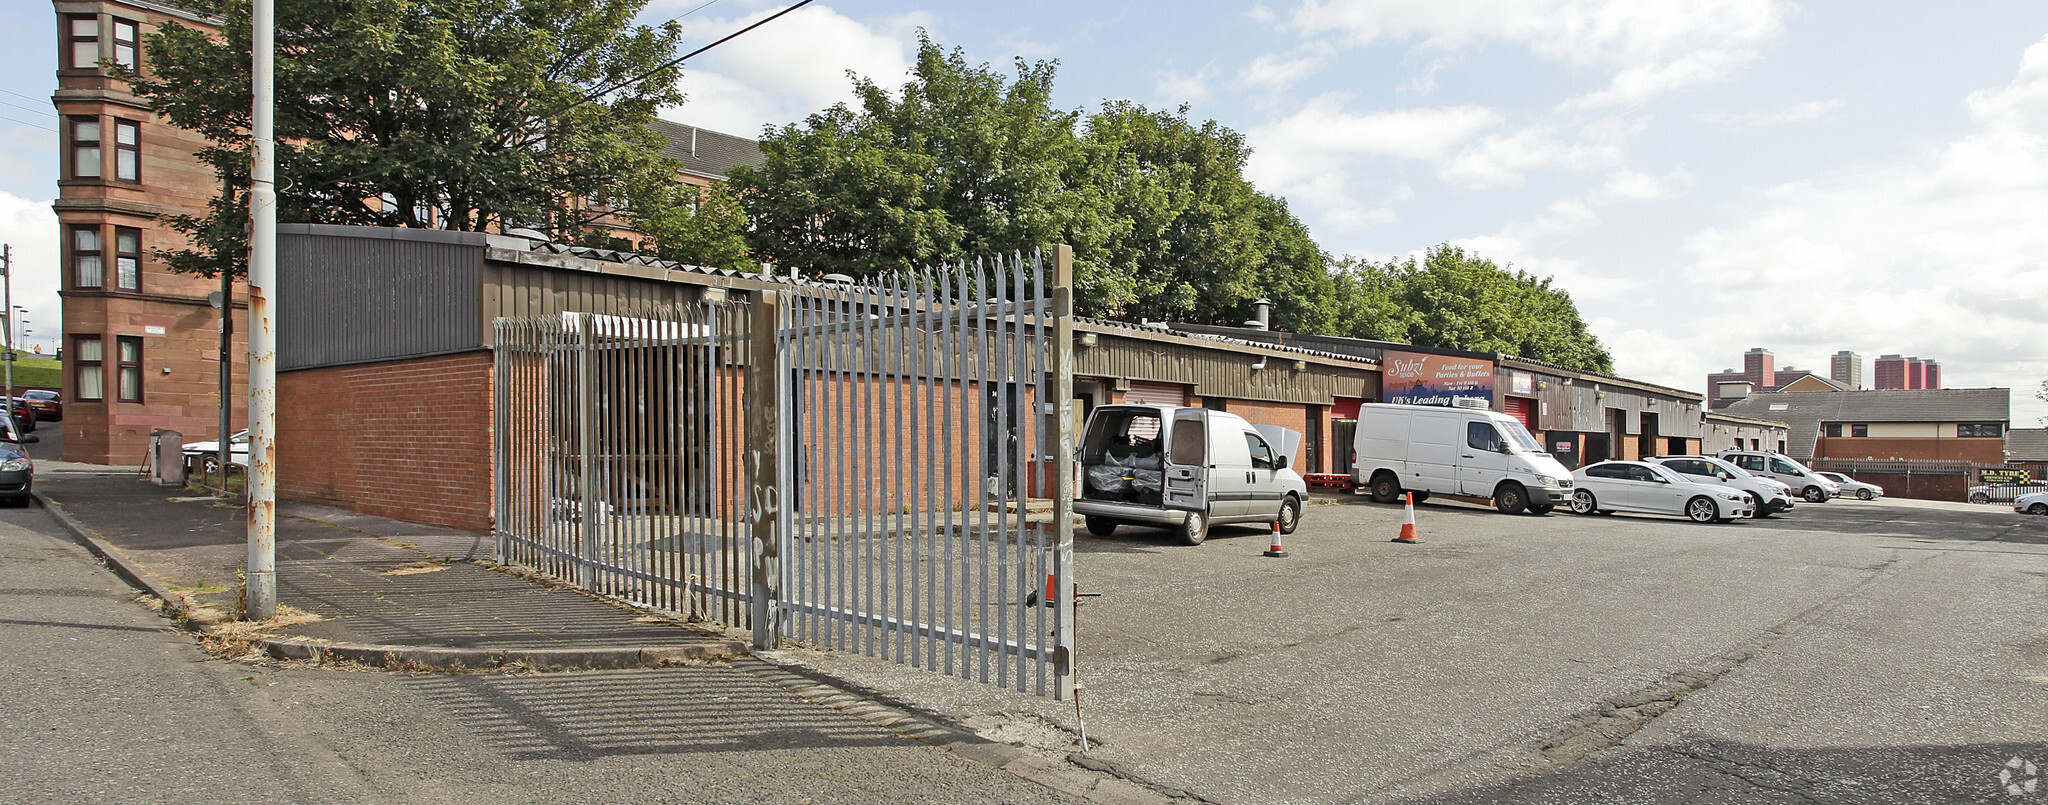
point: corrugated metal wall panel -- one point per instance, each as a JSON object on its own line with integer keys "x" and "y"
{"x": 357, "y": 298}
{"x": 1223, "y": 372}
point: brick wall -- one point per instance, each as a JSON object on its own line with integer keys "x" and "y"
{"x": 1292, "y": 416}
{"x": 1982, "y": 451}
{"x": 410, "y": 439}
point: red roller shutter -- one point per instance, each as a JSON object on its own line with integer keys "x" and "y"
{"x": 1345, "y": 407}
{"x": 1148, "y": 393}
{"x": 1523, "y": 409}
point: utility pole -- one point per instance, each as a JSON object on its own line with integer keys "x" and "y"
{"x": 225, "y": 451}
{"x": 259, "y": 596}
{"x": 7, "y": 279}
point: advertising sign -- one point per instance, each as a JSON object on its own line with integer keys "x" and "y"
{"x": 2005, "y": 476}
{"x": 1413, "y": 378}
{"x": 1521, "y": 383}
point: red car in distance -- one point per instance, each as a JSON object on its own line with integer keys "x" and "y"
{"x": 48, "y": 406}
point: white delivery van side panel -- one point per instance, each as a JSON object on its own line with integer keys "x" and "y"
{"x": 1381, "y": 441}
{"x": 1433, "y": 453}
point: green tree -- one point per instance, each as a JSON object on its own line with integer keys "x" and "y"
{"x": 689, "y": 224}
{"x": 963, "y": 161}
{"x": 1462, "y": 301}
{"x": 422, "y": 113}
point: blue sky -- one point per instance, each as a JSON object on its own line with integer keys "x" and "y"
{"x": 1703, "y": 176}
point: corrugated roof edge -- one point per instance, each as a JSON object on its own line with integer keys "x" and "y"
{"x": 1743, "y": 420}
{"x": 1170, "y": 331}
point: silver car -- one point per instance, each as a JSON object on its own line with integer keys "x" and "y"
{"x": 1854, "y": 488}
{"x": 2005, "y": 491}
{"x": 1652, "y": 488}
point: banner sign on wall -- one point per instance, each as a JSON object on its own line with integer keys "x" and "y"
{"x": 1521, "y": 383}
{"x": 1413, "y": 378}
{"x": 2005, "y": 476}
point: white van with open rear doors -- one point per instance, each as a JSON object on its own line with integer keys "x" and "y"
{"x": 1465, "y": 450}
{"x": 1185, "y": 469}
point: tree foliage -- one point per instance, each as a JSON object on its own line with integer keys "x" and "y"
{"x": 962, "y": 161}
{"x": 421, "y": 113}
{"x": 1463, "y": 301}
{"x": 689, "y": 224}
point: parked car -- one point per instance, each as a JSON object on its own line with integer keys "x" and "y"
{"x": 1185, "y": 469}
{"x": 17, "y": 472}
{"x": 1851, "y": 486}
{"x": 2031, "y": 503}
{"x": 208, "y": 452}
{"x": 24, "y": 415}
{"x": 1455, "y": 451}
{"x": 49, "y": 407}
{"x": 1652, "y": 488}
{"x": 1767, "y": 496}
{"x": 1809, "y": 484}
{"x": 2005, "y": 491}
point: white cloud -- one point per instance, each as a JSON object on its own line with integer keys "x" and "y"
{"x": 789, "y": 68}
{"x": 1796, "y": 113}
{"x": 1650, "y": 46}
{"x": 1501, "y": 159}
{"x": 1175, "y": 88}
{"x": 1273, "y": 72}
{"x": 1323, "y": 133}
{"x": 1639, "y": 186}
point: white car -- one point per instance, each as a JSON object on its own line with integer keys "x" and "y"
{"x": 1651, "y": 488}
{"x": 1853, "y": 487}
{"x": 2003, "y": 491}
{"x": 2036, "y": 503}
{"x": 1784, "y": 469}
{"x": 1767, "y": 496}
{"x": 209, "y": 450}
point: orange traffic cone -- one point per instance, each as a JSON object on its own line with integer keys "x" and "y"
{"x": 1052, "y": 589}
{"x": 1276, "y": 550}
{"x": 1408, "y": 523}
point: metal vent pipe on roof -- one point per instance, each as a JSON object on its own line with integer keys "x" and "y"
{"x": 1261, "y": 312}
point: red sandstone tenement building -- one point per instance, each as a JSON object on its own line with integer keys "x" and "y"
{"x": 140, "y": 344}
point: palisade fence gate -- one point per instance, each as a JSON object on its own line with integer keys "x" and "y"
{"x": 865, "y": 465}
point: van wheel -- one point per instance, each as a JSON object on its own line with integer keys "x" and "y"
{"x": 1701, "y": 510}
{"x": 1101, "y": 526}
{"x": 1815, "y": 494}
{"x": 1583, "y": 502}
{"x": 1194, "y": 529}
{"x": 1290, "y": 514}
{"x": 1386, "y": 488}
{"x": 1420, "y": 496}
{"x": 1511, "y": 499}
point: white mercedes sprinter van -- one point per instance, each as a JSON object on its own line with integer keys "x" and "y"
{"x": 1185, "y": 469}
{"x": 1469, "y": 451}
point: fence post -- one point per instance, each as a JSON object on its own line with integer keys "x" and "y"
{"x": 1063, "y": 466}
{"x": 586, "y": 443}
{"x": 764, "y": 464}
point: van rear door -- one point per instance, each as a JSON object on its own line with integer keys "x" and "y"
{"x": 1187, "y": 461}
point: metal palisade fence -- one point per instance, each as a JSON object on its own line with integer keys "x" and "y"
{"x": 864, "y": 465}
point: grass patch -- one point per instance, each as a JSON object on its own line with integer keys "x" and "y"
{"x": 32, "y": 370}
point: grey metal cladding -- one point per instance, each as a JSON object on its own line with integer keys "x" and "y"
{"x": 361, "y": 294}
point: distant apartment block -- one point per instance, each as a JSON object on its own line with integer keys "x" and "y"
{"x": 1846, "y": 368}
{"x": 1907, "y": 372}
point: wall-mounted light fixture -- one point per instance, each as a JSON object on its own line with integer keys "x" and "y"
{"x": 1087, "y": 340}
{"x": 1542, "y": 384}
{"x": 1261, "y": 364}
{"x": 1301, "y": 366}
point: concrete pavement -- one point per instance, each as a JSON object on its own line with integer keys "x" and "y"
{"x": 108, "y": 704}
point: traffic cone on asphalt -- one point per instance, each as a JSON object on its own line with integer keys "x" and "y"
{"x": 1276, "y": 550}
{"x": 1408, "y": 523}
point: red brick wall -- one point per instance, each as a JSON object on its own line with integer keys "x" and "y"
{"x": 1292, "y": 416}
{"x": 1981, "y": 451}
{"x": 410, "y": 439}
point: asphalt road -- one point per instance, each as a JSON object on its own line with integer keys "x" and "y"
{"x": 1890, "y": 651}
{"x": 105, "y": 704}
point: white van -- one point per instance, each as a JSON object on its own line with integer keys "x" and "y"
{"x": 1185, "y": 469}
{"x": 1812, "y": 486}
{"x": 1473, "y": 452}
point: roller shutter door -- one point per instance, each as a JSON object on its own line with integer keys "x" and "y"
{"x": 1522, "y": 409}
{"x": 1149, "y": 393}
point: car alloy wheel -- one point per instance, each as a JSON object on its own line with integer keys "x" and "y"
{"x": 1583, "y": 502}
{"x": 1701, "y": 510}
{"x": 1980, "y": 498}
{"x": 1815, "y": 494}
{"x": 2038, "y": 508}
{"x": 1864, "y": 494}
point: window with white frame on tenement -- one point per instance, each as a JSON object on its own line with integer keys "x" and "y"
{"x": 88, "y": 376}
{"x": 82, "y": 41}
{"x": 127, "y": 150}
{"x": 127, "y": 258}
{"x": 129, "y": 365}
{"x": 125, "y": 41}
{"x": 85, "y": 257}
{"x": 85, "y": 148}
